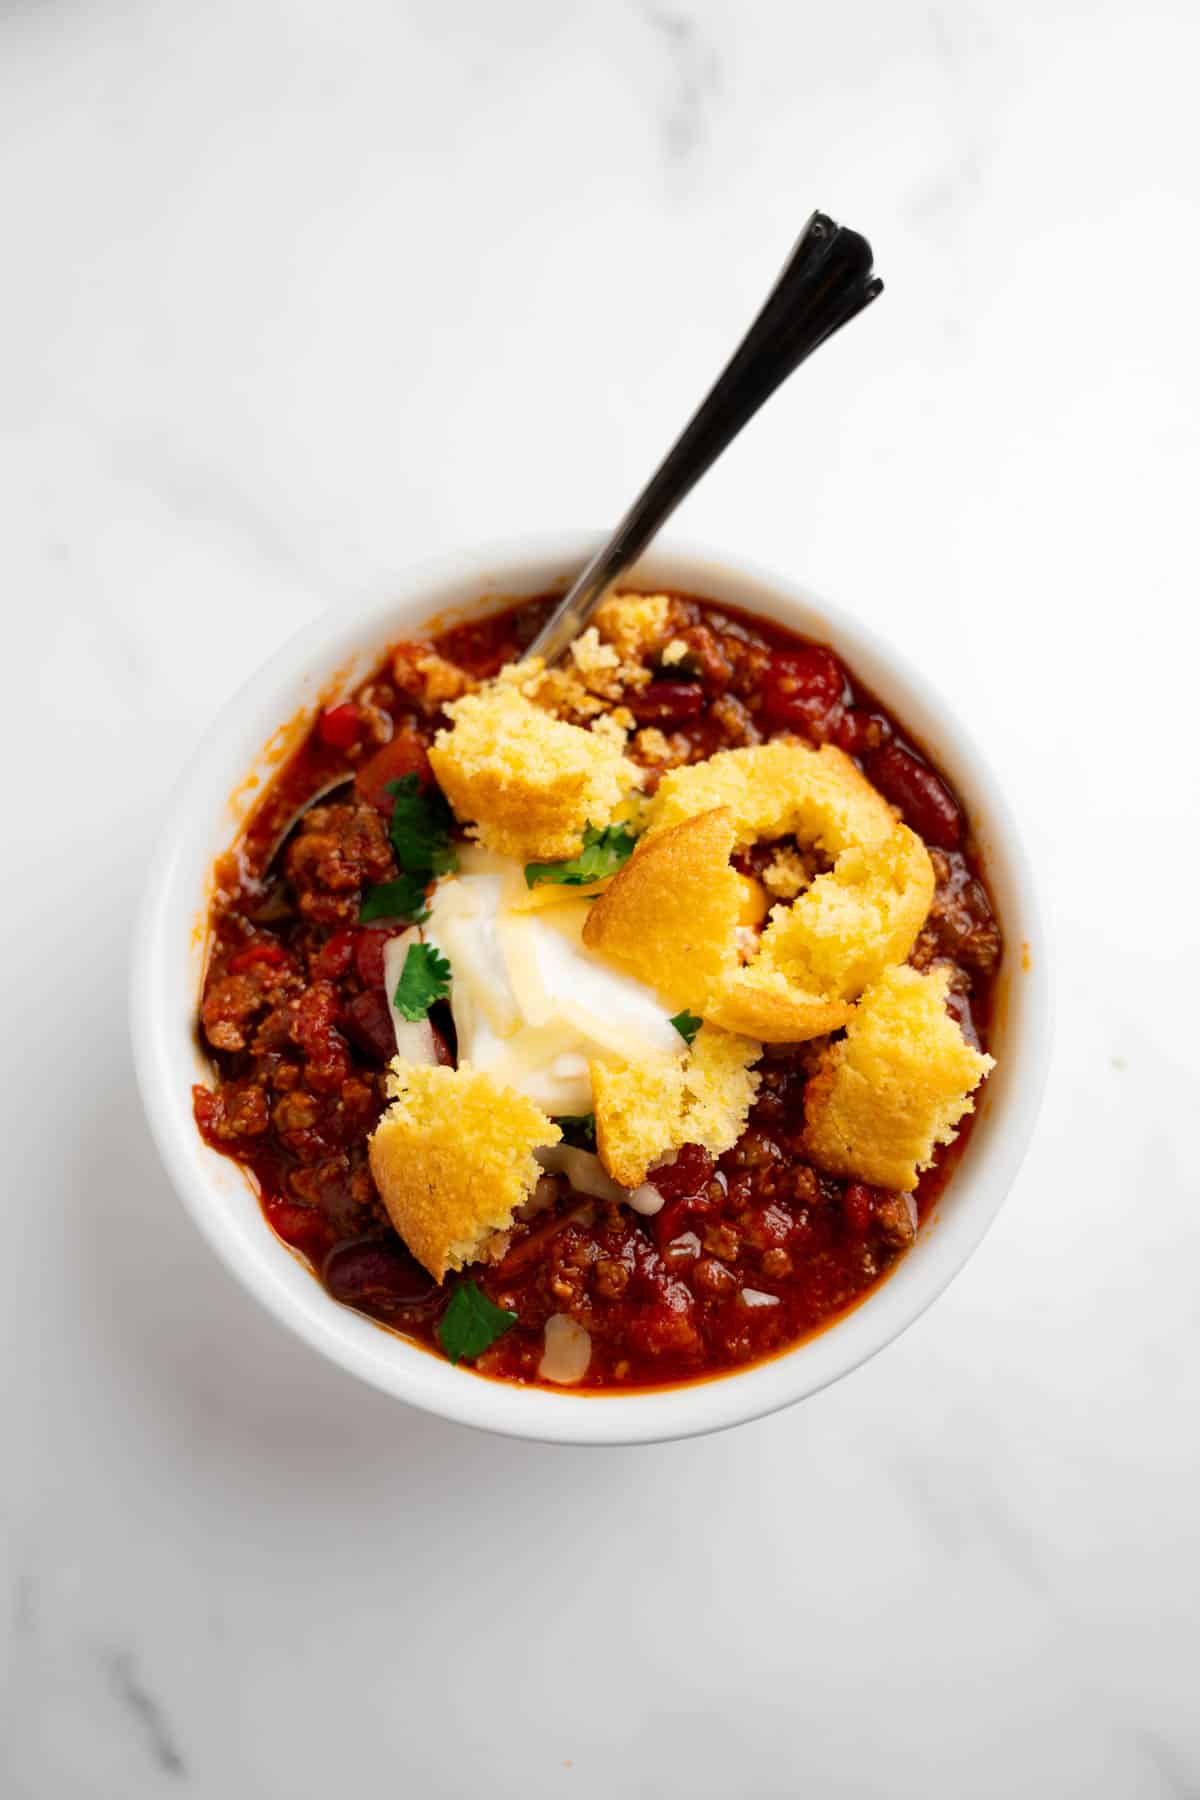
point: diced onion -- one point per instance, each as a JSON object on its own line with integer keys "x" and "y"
{"x": 755, "y": 1297}
{"x": 586, "y": 1174}
{"x": 583, "y": 1170}
{"x": 567, "y": 1353}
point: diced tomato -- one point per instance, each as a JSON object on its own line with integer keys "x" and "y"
{"x": 682, "y": 1184}
{"x": 261, "y": 953}
{"x": 665, "y": 702}
{"x": 336, "y": 954}
{"x": 404, "y": 755}
{"x": 666, "y": 1325}
{"x": 688, "y": 1174}
{"x": 339, "y": 726}
{"x": 802, "y": 689}
{"x": 924, "y": 799}
{"x": 301, "y": 1226}
{"x": 769, "y": 1227}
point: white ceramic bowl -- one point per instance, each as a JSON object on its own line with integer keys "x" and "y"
{"x": 261, "y": 723}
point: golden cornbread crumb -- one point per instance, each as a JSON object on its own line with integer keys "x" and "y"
{"x": 638, "y": 624}
{"x": 895, "y": 1087}
{"x": 787, "y": 874}
{"x": 781, "y": 789}
{"x": 453, "y": 1158}
{"x": 645, "y": 1111}
{"x": 584, "y": 688}
{"x": 658, "y": 750}
{"x": 674, "y": 652}
{"x": 609, "y": 727}
{"x": 591, "y": 657}
{"x": 760, "y": 1002}
{"x": 528, "y": 783}
{"x": 669, "y": 916}
{"x": 853, "y": 922}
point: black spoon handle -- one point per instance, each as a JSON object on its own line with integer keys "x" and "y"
{"x": 826, "y": 281}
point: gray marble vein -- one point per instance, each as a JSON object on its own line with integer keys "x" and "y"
{"x": 694, "y": 79}
{"x": 144, "y": 1710}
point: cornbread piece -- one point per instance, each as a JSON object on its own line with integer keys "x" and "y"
{"x": 527, "y": 782}
{"x": 779, "y": 790}
{"x": 670, "y": 915}
{"x": 761, "y": 1002}
{"x": 636, "y": 624}
{"x": 453, "y": 1158}
{"x": 645, "y": 1111}
{"x": 855, "y": 921}
{"x": 895, "y": 1087}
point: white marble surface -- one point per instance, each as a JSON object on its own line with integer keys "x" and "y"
{"x": 296, "y": 292}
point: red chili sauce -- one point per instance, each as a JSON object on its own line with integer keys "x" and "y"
{"x": 296, "y": 1022}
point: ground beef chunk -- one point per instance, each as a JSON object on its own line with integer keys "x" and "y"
{"x": 337, "y": 851}
{"x": 236, "y": 1110}
{"x": 961, "y": 927}
{"x": 235, "y": 1003}
{"x": 896, "y": 1215}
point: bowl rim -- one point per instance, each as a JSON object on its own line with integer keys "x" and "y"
{"x": 162, "y": 1008}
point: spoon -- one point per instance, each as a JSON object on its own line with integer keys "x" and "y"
{"x": 825, "y": 282}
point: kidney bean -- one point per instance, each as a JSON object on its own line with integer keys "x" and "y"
{"x": 666, "y": 702}
{"x": 376, "y": 1272}
{"x": 369, "y": 944}
{"x": 801, "y": 688}
{"x": 338, "y": 727}
{"x": 367, "y": 1022}
{"x": 923, "y": 798}
{"x": 858, "y": 731}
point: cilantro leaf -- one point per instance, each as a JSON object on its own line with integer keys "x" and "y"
{"x": 602, "y": 854}
{"x": 420, "y": 827}
{"x": 578, "y": 1129}
{"x": 403, "y": 898}
{"x": 687, "y": 1025}
{"x": 470, "y": 1323}
{"x": 424, "y": 978}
